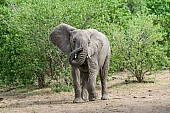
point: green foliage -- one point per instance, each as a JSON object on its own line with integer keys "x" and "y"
{"x": 137, "y": 47}
{"x": 59, "y": 85}
{"x": 28, "y": 57}
{"x": 25, "y": 48}
{"x": 162, "y": 9}
{"x": 13, "y": 52}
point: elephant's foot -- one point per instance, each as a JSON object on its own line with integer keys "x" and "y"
{"x": 105, "y": 97}
{"x": 78, "y": 100}
{"x": 92, "y": 97}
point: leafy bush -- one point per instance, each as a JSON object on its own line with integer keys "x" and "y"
{"x": 162, "y": 9}
{"x": 26, "y": 53}
{"x": 137, "y": 47}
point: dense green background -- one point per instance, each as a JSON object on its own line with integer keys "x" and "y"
{"x": 138, "y": 31}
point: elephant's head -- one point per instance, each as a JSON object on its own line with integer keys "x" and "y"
{"x": 72, "y": 41}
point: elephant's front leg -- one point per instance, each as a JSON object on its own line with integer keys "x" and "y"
{"x": 93, "y": 71}
{"x": 84, "y": 93}
{"x": 77, "y": 85}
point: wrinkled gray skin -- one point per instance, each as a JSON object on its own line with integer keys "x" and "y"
{"x": 89, "y": 54}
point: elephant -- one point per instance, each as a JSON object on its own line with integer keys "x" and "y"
{"x": 88, "y": 53}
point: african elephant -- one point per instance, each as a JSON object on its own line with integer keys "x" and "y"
{"x": 89, "y": 54}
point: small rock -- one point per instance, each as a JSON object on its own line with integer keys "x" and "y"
{"x": 143, "y": 97}
{"x": 1, "y": 99}
{"x": 149, "y": 90}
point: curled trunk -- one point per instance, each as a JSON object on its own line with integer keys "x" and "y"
{"x": 78, "y": 56}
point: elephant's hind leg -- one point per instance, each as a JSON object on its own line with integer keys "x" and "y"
{"x": 103, "y": 77}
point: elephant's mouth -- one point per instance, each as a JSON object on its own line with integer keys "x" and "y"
{"x": 78, "y": 56}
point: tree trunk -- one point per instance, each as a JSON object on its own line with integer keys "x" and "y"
{"x": 41, "y": 81}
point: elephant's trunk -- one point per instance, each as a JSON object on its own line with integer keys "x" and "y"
{"x": 78, "y": 56}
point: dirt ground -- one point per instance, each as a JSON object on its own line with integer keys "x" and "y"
{"x": 124, "y": 98}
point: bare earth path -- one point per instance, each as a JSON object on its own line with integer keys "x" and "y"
{"x": 124, "y": 98}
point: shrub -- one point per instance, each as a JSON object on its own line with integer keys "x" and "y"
{"x": 162, "y": 9}
{"x": 27, "y": 56}
{"x": 137, "y": 46}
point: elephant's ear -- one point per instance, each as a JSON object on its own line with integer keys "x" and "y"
{"x": 95, "y": 42}
{"x": 60, "y": 37}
